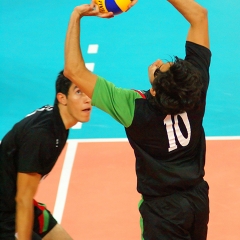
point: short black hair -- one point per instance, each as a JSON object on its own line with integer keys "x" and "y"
{"x": 179, "y": 89}
{"x": 62, "y": 85}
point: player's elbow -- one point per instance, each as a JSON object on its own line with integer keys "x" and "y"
{"x": 69, "y": 72}
{"x": 201, "y": 16}
{"x": 74, "y": 72}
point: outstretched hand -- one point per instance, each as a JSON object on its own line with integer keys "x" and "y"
{"x": 92, "y": 9}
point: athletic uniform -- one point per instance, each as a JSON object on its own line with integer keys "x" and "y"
{"x": 33, "y": 145}
{"x": 170, "y": 156}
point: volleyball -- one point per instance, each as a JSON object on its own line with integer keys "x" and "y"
{"x": 115, "y": 6}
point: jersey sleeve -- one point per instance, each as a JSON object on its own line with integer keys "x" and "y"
{"x": 117, "y": 102}
{"x": 200, "y": 57}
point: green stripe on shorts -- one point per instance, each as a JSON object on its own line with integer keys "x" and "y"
{"x": 45, "y": 220}
{"x": 141, "y": 220}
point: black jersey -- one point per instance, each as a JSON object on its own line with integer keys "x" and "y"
{"x": 169, "y": 149}
{"x": 33, "y": 145}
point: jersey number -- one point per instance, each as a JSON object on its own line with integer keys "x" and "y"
{"x": 173, "y": 127}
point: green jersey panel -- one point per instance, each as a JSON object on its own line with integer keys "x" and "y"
{"x": 118, "y": 102}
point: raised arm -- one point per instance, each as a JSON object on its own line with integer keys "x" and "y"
{"x": 197, "y": 16}
{"x": 75, "y": 68}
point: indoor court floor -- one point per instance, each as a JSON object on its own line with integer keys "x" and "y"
{"x": 92, "y": 189}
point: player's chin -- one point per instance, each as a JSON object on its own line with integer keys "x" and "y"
{"x": 85, "y": 117}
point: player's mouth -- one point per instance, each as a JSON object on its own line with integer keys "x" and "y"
{"x": 87, "y": 109}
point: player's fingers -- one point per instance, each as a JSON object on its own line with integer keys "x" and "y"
{"x": 106, "y": 15}
{"x": 133, "y": 2}
{"x": 95, "y": 12}
{"x": 92, "y": 4}
{"x": 100, "y": 14}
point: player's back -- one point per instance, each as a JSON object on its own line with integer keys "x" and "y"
{"x": 169, "y": 150}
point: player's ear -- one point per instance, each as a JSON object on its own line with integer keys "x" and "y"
{"x": 62, "y": 99}
{"x": 153, "y": 92}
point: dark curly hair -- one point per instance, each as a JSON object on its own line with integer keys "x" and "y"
{"x": 178, "y": 89}
{"x": 62, "y": 85}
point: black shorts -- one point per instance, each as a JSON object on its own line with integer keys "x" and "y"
{"x": 43, "y": 222}
{"x": 180, "y": 216}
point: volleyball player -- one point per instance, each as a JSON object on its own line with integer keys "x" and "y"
{"x": 163, "y": 125}
{"x": 28, "y": 152}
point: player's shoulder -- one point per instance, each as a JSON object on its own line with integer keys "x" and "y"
{"x": 44, "y": 110}
{"x": 140, "y": 93}
{"x": 37, "y": 119}
{"x": 195, "y": 49}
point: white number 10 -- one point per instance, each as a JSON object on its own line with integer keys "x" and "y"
{"x": 174, "y": 127}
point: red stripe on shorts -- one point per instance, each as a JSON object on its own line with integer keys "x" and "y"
{"x": 41, "y": 217}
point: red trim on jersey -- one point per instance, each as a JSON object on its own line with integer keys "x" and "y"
{"x": 140, "y": 93}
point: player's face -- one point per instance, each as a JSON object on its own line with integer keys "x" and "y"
{"x": 157, "y": 66}
{"x": 78, "y": 104}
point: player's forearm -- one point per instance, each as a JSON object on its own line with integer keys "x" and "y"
{"x": 191, "y": 10}
{"x": 73, "y": 55}
{"x": 24, "y": 219}
{"x": 75, "y": 68}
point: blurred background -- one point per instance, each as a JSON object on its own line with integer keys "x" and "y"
{"x": 32, "y": 54}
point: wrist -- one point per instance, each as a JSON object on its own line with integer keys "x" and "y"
{"x": 77, "y": 14}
